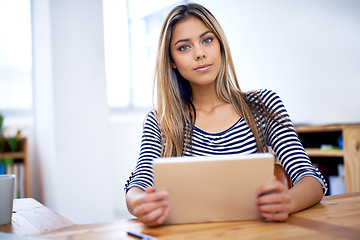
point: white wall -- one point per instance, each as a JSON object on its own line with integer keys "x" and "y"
{"x": 126, "y": 130}
{"x": 307, "y": 51}
{"x": 71, "y": 113}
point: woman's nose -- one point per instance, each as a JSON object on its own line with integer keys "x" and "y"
{"x": 200, "y": 53}
{"x": 200, "y": 56}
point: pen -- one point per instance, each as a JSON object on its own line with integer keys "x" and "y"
{"x": 140, "y": 235}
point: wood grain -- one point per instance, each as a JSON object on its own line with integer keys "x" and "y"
{"x": 336, "y": 217}
{"x": 31, "y": 218}
{"x": 351, "y": 136}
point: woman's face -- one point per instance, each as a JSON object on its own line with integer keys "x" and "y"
{"x": 195, "y": 51}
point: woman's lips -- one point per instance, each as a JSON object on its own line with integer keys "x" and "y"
{"x": 203, "y": 67}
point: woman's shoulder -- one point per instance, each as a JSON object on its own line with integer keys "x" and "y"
{"x": 150, "y": 125}
{"x": 151, "y": 114}
{"x": 151, "y": 117}
{"x": 263, "y": 95}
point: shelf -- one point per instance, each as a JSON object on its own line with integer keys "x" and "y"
{"x": 320, "y": 128}
{"x": 345, "y": 136}
{"x": 20, "y": 166}
{"x": 12, "y": 155}
{"x": 315, "y": 152}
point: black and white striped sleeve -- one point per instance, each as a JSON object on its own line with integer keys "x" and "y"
{"x": 150, "y": 149}
{"x": 283, "y": 139}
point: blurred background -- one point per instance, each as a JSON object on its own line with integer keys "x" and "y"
{"x": 76, "y": 79}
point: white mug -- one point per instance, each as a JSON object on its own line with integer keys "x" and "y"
{"x": 7, "y": 183}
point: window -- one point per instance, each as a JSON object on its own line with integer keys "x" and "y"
{"x": 15, "y": 55}
{"x": 131, "y": 31}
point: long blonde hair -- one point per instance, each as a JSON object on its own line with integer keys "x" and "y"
{"x": 174, "y": 109}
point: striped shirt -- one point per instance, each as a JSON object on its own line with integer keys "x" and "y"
{"x": 238, "y": 139}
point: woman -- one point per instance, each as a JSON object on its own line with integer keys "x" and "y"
{"x": 201, "y": 110}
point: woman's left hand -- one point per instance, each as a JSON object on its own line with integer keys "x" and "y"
{"x": 273, "y": 201}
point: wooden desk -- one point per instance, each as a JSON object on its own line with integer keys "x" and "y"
{"x": 31, "y": 218}
{"x": 336, "y": 217}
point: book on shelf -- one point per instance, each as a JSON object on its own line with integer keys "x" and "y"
{"x": 17, "y": 169}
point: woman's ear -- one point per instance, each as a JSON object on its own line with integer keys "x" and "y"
{"x": 173, "y": 65}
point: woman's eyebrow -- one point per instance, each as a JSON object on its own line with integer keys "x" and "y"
{"x": 204, "y": 33}
{"x": 182, "y": 40}
{"x": 188, "y": 39}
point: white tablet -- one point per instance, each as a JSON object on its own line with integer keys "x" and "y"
{"x": 213, "y": 188}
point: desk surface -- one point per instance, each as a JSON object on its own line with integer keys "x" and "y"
{"x": 336, "y": 217}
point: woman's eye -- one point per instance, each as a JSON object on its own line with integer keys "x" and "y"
{"x": 183, "y": 48}
{"x": 208, "y": 40}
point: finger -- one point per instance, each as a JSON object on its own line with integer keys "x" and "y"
{"x": 270, "y": 187}
{"x": 153, "y": 190}
{"x": 150, "y": 189}
{"x": 150, "y": 197}
{"x": 148, "y": 207}
{"x": 275, "y": 216}
{"x": 153, "y": 218}
{"x": 150, "y": 218}
{"x": 274, "y": 208}
{"x": 161, "y": 219}
{"x": 273, "y": 198}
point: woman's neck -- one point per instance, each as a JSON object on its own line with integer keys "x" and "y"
{"x": 213, "y": 115}
{"x": 205, "y": 98}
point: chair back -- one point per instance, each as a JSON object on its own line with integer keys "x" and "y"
{"x": 281, "y": 175}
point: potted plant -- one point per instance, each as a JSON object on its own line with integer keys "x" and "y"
{"x": 2, "y": 138}
{"x": 10, "y": 143}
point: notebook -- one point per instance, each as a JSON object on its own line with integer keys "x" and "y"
{"x": 214, "y": 188}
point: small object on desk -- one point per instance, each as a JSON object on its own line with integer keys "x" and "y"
{"x": 141, "y": 236}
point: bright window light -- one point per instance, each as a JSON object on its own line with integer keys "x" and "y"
{"x": 15, "y": 55}
{"x": 131, "y": 30}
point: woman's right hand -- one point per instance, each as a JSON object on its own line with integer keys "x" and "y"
{"x": 150, "y": 207}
